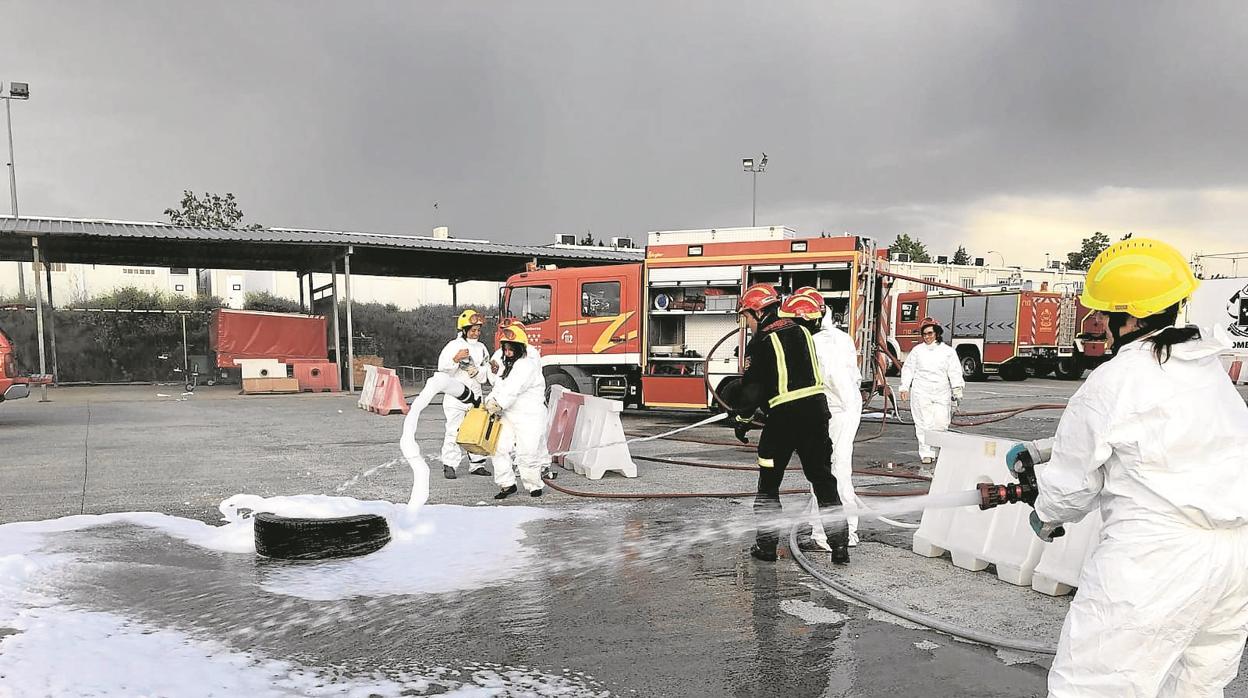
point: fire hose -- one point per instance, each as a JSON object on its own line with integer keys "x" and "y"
{"x": 911, "y": 615}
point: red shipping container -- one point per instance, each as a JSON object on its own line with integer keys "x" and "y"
{"x": 249, "y": 334}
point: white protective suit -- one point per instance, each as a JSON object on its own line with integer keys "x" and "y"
{"x": 454, "y": 409}
{"x": 1162, "y": 606}
{"x": 522, "y": 441}
{"x": 930, "y": 374}
{"x": 838, "y": 360}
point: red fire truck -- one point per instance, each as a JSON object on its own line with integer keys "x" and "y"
{"x": 13, "y": 386}
{"x": 1007, "y": 332}
{"x": 644, "y": 333}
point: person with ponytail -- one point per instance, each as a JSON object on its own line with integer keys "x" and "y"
{"x": 1157, "y": 440}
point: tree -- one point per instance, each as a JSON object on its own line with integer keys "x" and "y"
{"x": 961, "y": 256}
{"x": 911, "y": 246}
{"x": 269, "y": 303}
{"x": 212, "y": 211}
{"x": 588, "y": 239}
{"x": 1090, "y": 248}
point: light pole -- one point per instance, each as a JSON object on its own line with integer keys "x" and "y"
{"x": 17, "y": 90}
{"x": 999, "y": 255}
{"x": 748, "y": 164}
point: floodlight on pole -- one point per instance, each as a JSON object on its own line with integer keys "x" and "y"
{"x": 748, "y": 165}
{"x": 17, "y": 90}
{"x": 999, "y": 255}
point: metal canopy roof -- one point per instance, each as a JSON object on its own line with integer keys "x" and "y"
{"x": 282, "y": 249}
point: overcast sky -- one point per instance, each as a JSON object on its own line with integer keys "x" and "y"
{"x": 1012, "y": 126}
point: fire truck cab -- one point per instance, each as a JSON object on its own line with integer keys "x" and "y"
{"x": 662, "y": 332}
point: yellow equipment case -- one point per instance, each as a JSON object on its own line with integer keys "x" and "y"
{"x": 478, "y": 434}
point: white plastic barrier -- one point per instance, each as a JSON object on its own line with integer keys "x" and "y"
{"x": 1000, "y": 536}
{"x": 369, "y": 391}
{"x": 261, "y": 368}
{"x": 597, "y": 435}
{"x": 1063, "y": 559}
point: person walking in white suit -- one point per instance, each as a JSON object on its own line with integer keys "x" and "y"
{"x": 931, "y": 379}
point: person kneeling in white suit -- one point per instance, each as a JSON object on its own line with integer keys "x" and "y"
{"x": 519, "y": 396}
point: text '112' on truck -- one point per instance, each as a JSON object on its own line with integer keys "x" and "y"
{"x": 661, "y": 333}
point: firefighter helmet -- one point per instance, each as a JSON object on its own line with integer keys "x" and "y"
{"x": 468, "y": 318}
{"x": 814, "y": 295}
{"x": 801, "y": 306}
{"x": 1138, "y": 276}
{"x": 513, "y": 332}
{"x": 758, "y": 297}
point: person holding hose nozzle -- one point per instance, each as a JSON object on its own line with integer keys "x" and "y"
{"x": 783, "y": 379}
{"x": 463, "y": 359}
{"x": 1156, "y": 438}
{"x": 842, "y": 379}
{"x": 933, "y": 374}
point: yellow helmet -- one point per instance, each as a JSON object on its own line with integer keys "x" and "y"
{"x": 1138, "y": 276}
{"x": 513, "y": 333}
{"x": 468, "y": 318}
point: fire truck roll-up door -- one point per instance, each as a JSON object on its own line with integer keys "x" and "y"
{"x": 1001, "y": 328}
{"x": 689, "y": 309}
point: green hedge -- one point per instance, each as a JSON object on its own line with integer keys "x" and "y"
{"x": 106, "y": 347}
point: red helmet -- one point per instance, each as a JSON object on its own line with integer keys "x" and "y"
{"x": 813, "y": 295}
{"x": 758, "y": 298}
{"x": 930, "y": 322}
{"x": 801, "y": 305}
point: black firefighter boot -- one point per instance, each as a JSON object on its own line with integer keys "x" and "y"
{"x": 838, "y": 540}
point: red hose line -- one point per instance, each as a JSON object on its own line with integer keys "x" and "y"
{"x": 752, "y": 468}
{"x": 705, "y": 495}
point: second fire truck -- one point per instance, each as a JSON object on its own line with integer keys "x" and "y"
{"x": 1010, "y": 332}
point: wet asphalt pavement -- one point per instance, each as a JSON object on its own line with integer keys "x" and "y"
{"x": 616, "y": 598}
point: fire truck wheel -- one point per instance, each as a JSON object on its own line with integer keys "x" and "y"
{"x": 1070, "y": 369}
{"x": 560, "y": 379}
{"x": 972, "y": 370}
{"x": 287, "y": 538}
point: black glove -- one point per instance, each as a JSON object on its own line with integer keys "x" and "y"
{"x": 741, "y": 427}
{"x": 468, "y": 398}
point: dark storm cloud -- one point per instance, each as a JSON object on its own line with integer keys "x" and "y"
{"x": 527, "y": 119}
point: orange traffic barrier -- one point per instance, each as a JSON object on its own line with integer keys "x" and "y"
{"x": 387, "y": 397}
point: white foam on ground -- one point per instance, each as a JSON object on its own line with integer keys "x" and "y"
{"x": 59, "y": 650}
{"x": 65, "y": 652}
{"x": 810, "y": 613}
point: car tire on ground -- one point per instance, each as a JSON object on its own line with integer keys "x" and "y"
{"x": 289, "y": 538}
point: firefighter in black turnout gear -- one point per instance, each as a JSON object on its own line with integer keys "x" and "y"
{"x": 782, "y": 380}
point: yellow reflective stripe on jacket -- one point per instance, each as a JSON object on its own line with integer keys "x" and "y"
{"x": 783, "y": 393}
{"x": 814, "y": 356}
{"x": 795, "y": 395}
{"x": 782, "y": 369}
